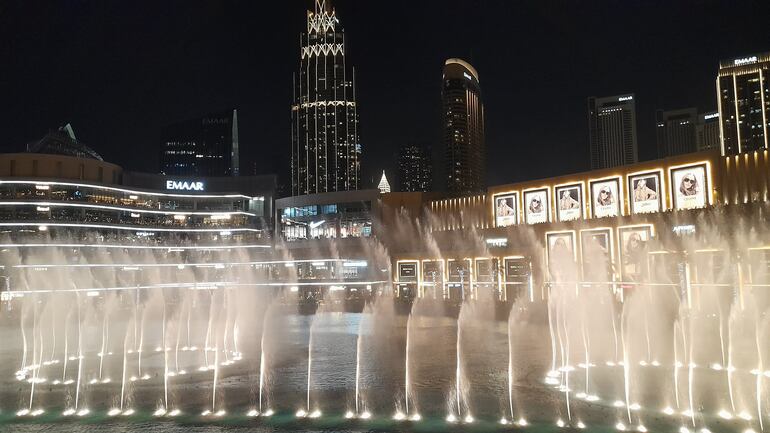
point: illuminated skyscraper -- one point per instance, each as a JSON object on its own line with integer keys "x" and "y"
{"x": 325, "y": 148}
{"x": 743, "y": 94}
{"x": 465, "y": 149}
{"x": 612, "y": 131}
{"x": 415, "y": 168}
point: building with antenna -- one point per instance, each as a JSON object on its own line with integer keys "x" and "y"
{"x": 325, "y": 146}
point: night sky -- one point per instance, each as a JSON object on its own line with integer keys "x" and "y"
{"x": 120, "y": 70}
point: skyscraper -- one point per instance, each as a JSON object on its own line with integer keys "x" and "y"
{"x": 465, "y": 149}
{"x": 325, "y": 147}
{"x": 675, "y": 131}
{"x": 204, "y": 146}
{"x": 743, "y": 95}
{"x": 612, "y": 131}
{"x": 707, "y": 131}
{"x": 415, "y": 168}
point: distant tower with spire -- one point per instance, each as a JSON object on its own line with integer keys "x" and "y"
{"x": 325, "y": 146}
{"x": 384, "y": 186}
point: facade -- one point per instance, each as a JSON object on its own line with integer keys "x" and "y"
{"x": 743, "y": 94}
{"x": 325, "y": 145}
{"x": 48, "y": 195}
{"x": 676, "y": 131}
{"x": 707, "y": 131}
{"x": 612, "y": 131}
{"x": 464, "y": 143}
{"x": 415, "y": 168}
{"x": 205, "y": 146}
{"x": 333, "y": 215}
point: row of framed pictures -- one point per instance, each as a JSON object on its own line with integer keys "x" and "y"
{"x": 690, "y": 189}
{"x": 598, "y": 252}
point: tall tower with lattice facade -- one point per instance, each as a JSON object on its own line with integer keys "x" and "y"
{"x": 325, "y": 146}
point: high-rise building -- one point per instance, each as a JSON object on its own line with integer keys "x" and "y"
{"x": 415, "y": 168}
{"x": 325, "y": 147}
{"x": 612, "y": 131}
{"x": 743, "y": 95}
{"x": 204, "y": 146}
{"x": 707, "y": 131}
{"x": 465, "y": 149}
{"x": 675, "y": 131}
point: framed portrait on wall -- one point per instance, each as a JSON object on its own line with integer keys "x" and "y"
{"x": 606, "y": 198}
{"x": 506, "y": 209}
{"x": 633, "y": 246}
{"x": 646, "y": 192}
{"x": 690, "y": 186}
{"x": 569, "y": 202}
{"x": 537, "y": 204}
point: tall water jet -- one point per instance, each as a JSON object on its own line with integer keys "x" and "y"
{"x": 407, "y": 383}
{"x": 358, "y": 366}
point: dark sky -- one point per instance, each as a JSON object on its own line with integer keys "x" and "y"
{"x": 119, "y": 70}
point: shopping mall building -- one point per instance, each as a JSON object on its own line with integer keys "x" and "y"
{"x": 653, "y": 220}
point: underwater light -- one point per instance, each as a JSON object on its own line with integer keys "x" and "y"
{"x": 503, "y": 421}
{"x": 580, "y": 425}
{"x": 641, "y": 428}
{"x": 37, "y": 412}
{"x": 618, "y": 403}
{"x": 69, "y": 412}
{"x": 366, "y": 415}
{"x": 301, "y": 413}
{"x": 22, "y": 412}
{"x": 399, "y": 416}
{"x": 114, "y": 412}
{"x": 522, "y": 422}
{"x": 415, "y": 417}
{"x": 206, "y": 413}
{"x": 451, "y": 418}
{"x": 220, "y": 412}
{"x": 315, "y": 414}
{"x": 268, "y": 412}
{"x": 174, "y": 412}
{"x": 668, "y": 411}
{"x": 83, "y": 412}
{"x": 160, "y": 412}
{"x": 128, "y": 412}
{"x": 252, "y": 413}
{"x": 349, "y": 414}
{"x": 635, "y": 406}
{"x": 744, "y": 416}
{"x": 468, "y": 419}
{"x": 725, "y": 414}
{"x": 559, "y": 423}
{"x": 620, "y": 426}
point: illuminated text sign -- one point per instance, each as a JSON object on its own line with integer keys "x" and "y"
{"x": 184, "y": 185}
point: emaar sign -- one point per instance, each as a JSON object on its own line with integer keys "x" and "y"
{"x": 184, "y": 185}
